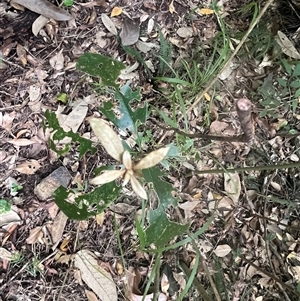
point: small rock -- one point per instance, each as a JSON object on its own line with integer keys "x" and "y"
{"x": 47, "y": 186}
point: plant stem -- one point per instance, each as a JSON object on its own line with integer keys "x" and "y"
{"x": 248, "y": 168}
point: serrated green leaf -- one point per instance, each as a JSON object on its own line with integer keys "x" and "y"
{"x": 86, "y": 205}
{"x": 162, "y": 188}
{"x": 161, "y": 231}
{"x": 101, "y": 66}
{"x": 84, "y": 146}
{"x": 128, "y": 117}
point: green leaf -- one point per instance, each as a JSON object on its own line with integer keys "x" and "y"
{"x": 128, "y": 117}
{"x": 141, "y": 233}
{"x": 101, "y": 66}
{"x": 161, "y": 230}
{"x": 287, "y": 66}
{"x": 5, "y": 206}
{"x": 167, "y": 119}
{"x": 297, "y": 93}
{"x": 282, "y": 82}
{"x": 86, "y": 205}
{"x": 162, "y": 188}
{"x": 295, "y": 84}
{"x": 296, "y": 71}
{"x": 84, "y": 146}
{"x": 68, "y": 2}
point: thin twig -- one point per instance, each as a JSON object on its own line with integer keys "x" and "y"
{"x": 248, "y": 168}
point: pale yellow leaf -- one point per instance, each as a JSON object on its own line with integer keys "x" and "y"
{"x": 172, "y": 8}
{"x": 207, "y": 96}
{"x": 100, "y": 218}
{"x": 107, "y": 176}
{"x": 127, "y": 160}
{"x": 108, "y": 138}
{"x": 164, "y": 283}
{"x": 138, "y": 188}
{"x": 116, "y": 11}
{"x": 152, "y": 159}
{"x": 222, "y": 250}
{"x": 127, "y": 177}
{"x": 95, "y": 277}
{"x": 206, "y": 11}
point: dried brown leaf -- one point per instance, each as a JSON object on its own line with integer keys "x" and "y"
{"x": 232, "y": 185}
{"x": 130, "y": 32}
{"x": 95, "y": 277}
{"x": 34, "y": 235}
{"x": 38, "y": 24}
{"x": 45, "y": 8}
{"x": 28, "y": 167}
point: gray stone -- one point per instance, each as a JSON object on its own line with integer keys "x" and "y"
{"x": 47, "y": 186}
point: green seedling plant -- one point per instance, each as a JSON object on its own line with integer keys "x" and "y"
{"x": 281, "y": 93}
{"x": 16, "y": 187}
{"x": 160, "y": 229}
{"x": 5, "y": 206}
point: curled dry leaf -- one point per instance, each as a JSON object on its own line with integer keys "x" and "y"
{"x": 108, "y": 138}
{"x": 152, "y": 159}
{"x": 38, "y": 24}
{"x": 45, "y": 8}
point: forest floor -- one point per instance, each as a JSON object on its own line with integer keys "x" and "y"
{"x": 180, "y": 65}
